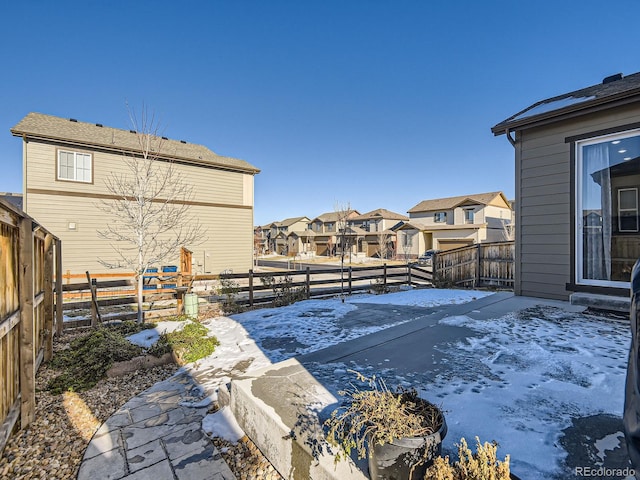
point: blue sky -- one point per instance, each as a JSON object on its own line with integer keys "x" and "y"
{"x": 375, "y": 103}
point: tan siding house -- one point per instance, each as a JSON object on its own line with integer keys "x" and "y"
{"x": 376, "y": 226}
{"x": 326, "y": 231}
{"x": 279, "y": 232}
{"x": 66, "y": 164}
{"x": 452, "y": 222}
{"x": 577, "y": 182}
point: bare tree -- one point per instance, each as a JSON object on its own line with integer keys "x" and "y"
{"x": 507, "y": 230}
{"x": 407, "y": 243}
{"x": 150, "y": 217}
{"x": 343, "y": 211}
{"x": 383, "y": 237}
{"x": 310, "y": 244}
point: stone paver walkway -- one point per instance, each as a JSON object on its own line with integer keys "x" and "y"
{"x": 157, "y": 435}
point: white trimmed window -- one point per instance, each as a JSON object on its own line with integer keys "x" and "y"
{"x": 74, "y": 166}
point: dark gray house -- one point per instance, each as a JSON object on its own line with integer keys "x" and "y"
{"x": 577, "y": 182}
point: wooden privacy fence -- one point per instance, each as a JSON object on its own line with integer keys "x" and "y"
{"x": 27, "y": 292}
{"x": 479, "y": 265}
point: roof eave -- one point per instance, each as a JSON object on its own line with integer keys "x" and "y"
{"x": 19, "y": 133}
{"x": 571, "y": 111}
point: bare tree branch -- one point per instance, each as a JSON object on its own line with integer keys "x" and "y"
{"x": 149, "y": 212}
{"x": 383, "y": 237}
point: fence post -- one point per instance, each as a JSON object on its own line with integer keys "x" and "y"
{"x": 93, "y": 286}
{"x": 48, "y": 297}
{"x": 384, "y": 277}
{"x": 350, "y": 280}
{"x": 409, "y": 274}
{"x": 27, "y": 354}
{"x": 308, "y": 280}
{"x": 95, "y": 311}
{"x": 251, "y": 287}
{"x": 434, "y": 268}
{"x": 478, "y": 254}
{"x": 59, "y": 317}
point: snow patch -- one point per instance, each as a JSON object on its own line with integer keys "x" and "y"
{"x": 223, "y": 424}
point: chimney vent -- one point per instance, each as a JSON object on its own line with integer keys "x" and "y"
{"x": 98, "y": 125}
{"x": 73, "y": 120}
{"x": 612, "y": 78}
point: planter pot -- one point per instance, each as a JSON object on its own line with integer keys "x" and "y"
{"x": 406, "y": 458}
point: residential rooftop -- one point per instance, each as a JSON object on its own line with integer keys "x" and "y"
{"x": 380, "y": 213}
{"x": 615, "y": 89}
{"x": 452, "y": 202}
{"x": 51, "y": 128}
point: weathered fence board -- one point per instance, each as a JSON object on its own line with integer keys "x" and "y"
{"x": 479, "y": 265}
{"x": 27, "y": 298}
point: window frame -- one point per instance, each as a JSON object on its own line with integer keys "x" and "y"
{"x": 407, "y": 241}
{"x": 75, "y": 154}
{"x": 436, "y": 217}
{"x": 620, "y": 210}
{"x": 578, "y": 223}
{"x": 469, "y": 215}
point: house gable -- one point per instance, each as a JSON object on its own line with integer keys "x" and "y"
{"x": 449, "y": 203}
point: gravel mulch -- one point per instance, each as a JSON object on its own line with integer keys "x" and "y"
{"x": 53, "y": 445}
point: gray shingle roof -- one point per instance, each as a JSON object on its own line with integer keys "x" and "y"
{"x": 380, "y": 213}
{"x": 613, "y": 90}
{"x": 38, "y": 125}
{"x": 333, "y": 216}
{"x": 287, "y": 222}
{"x": 452, "y": 202}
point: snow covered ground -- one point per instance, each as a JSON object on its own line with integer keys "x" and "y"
{"x": 519, "y": 379}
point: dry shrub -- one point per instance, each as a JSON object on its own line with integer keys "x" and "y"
{"x": 482, "y": 465}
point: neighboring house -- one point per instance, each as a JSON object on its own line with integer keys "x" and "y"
{"x": 66, "y": 164}
{"x": 260, "y": 240}
{"x": 577, "y": 188}
{"x": 327, "y": 231}
{"x": 447, "y": 223}
{"x": 13, "y": 198}
{"x": 301, "y": 242}
{"x": 279, "y": 231}
{"x": 377, "y": 226}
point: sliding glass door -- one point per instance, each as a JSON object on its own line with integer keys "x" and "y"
{"x": 607, "y": 221}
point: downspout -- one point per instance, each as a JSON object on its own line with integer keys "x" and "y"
{"x": 25, "y": 206}
{"x": 512, "y": 141}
